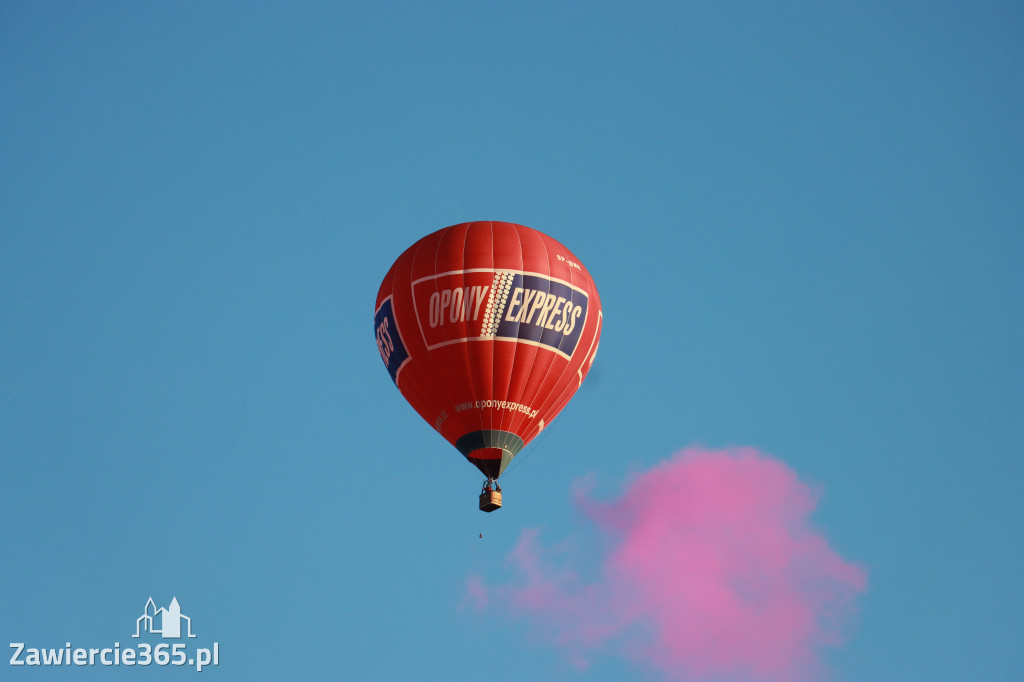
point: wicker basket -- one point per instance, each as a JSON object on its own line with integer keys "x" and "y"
{"x": 490, "y": 500}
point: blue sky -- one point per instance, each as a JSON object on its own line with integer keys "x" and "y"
{"x": 804, "y": 219}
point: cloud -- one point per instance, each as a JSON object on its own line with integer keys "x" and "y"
{"x": 710, "y": 570}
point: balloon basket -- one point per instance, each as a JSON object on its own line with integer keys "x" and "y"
{"x": 490, "y": 500}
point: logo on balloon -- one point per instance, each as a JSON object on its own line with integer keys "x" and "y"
{"x": 471, "y": 305}
{"x": 389, "y": 341}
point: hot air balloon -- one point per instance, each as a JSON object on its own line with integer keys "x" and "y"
{"x": 488, "y": 328}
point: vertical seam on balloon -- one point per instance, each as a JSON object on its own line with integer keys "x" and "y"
{"x": 561, "y": 400}
{"x": 561, "y": 377}
{"x": 547, "y": 259}
{"x": 517, "y": 420}
{"x": 490, "y": 411}
{"x": 437, "y": 379}
{"x": 515, "y": 345}
{"x": 423, "y": 366}
{"x": 503, "y": 281}
{"x": 467, "y": 359}
{"x": 448, "y": 402}
{"x": 547, "y": 263}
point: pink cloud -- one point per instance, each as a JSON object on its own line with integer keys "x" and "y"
{"x": 476, "y": 593}
{"x": 710, "y": 570}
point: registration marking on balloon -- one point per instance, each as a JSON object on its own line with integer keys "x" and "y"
{"x": 484, "y": 304}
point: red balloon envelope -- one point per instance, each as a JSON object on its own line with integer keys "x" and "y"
{"x": 488, "y": 329}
